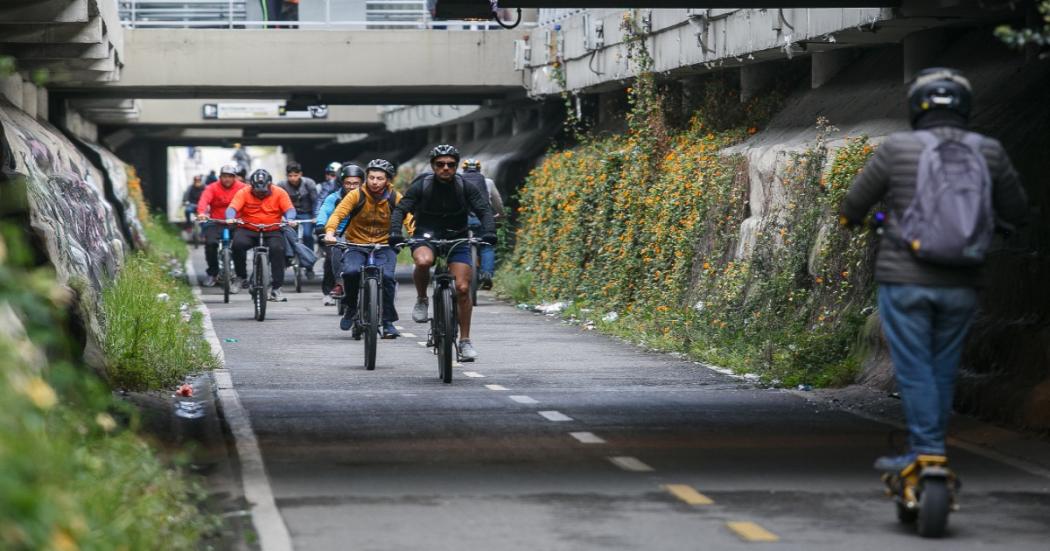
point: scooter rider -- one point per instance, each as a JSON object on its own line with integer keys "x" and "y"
{"x": 303, "y": 193}
{"x": 368, "y": 210}
{"x": 472, "y": 174}
{"x": 262, "y": 203}
{"x": 212, "y": 204}
{"x": 441, "y": 203}
{"x": 331, "y": 184}
{"x": 351, "y": 176}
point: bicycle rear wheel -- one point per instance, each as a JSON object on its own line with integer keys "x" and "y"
{"x": 261, "y": 283}
{"x": 370, "y": 321}
{"x": 227, "y": 274}
{"x": 445, "y": 333}
{"x": 298, "y": 277}
{"x": 475, "y": 280}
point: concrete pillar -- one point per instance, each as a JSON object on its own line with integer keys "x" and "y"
{"x": 754, "y": 78}
{"x": 43, "y": 110}
{"x": 692, "y": 95}
{"x": 610, "y": 109}
{"x": 524, "y": 120}
{"x": 29, "y": 99}
{"x": 828, "y": 64}
{"x": 921, "y": 50}
{"x": 11, "y": 88}
{"x": 502, "y": 125}
{"x": 482, "y": 129}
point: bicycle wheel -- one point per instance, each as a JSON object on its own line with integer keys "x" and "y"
{"x": 227, "y": 274}
{"x": 475, "y": 280}
{"x": 370, "y": 321}
{"x": 298, "y": 277}
{"x": 445, "y": 334}
{"x": 261, "y": 283}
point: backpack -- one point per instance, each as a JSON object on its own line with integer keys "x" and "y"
{"x": 428, "y": 192}
{"x": 950, "y": 221}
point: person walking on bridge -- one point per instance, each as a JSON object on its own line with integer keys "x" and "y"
{"x": 441, "y": 203}
{"x": 303, "y": 193}
{"x": 212, "y": 204}
{"x": 946, "y": 188}
{"x": 262, "y": 203}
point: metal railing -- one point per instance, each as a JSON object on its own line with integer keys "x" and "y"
{"x": 244, "y": 14}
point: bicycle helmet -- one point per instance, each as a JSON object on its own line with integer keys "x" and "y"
{"x": 444, "y": 150}
{"x": 332, "y": 168}
{"x": 242, "y": 172}
{"x": 472, "y": 164}
{"x": 228, "y": 169}
{"x": 384, "y": 165}
{"x": 260, "y": 180}
{"x": 939, "y": 88}
{"x": 351, "y": 170}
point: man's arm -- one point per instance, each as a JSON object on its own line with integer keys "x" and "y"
{"x": 235, "y": 204}
{"x": 479, "y": 203}
{"x": 494, "y": 198}
{"x": 341, "y": 211}
{"x": 407, "y": 205}
{"x": 869, "y": 187}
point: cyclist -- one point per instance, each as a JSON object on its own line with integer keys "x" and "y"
{"x": 191, "y": 198}
{"x": 441, "y": 202}
{"x": 472, "y": 175}
{"x": 368, "y": 210}
{"x": 331, "y": 184}
{"x": 303, "y": 193}
{"x": 212, "y": 204}
{"x": 927, "y": 307}
{"x": 261, "y": 203}
{"x": 351, "y": 176}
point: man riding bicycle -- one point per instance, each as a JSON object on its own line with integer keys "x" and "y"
{"x": 261, "y": 204}
{"x": 191, "y": 198}
{"x": 212, "y": 204}
{"x": 351, "y": 176}
{"x": 369, "y": 210}
{"x": 303, "y": 193}
{"x": 472, "y": 175}
{"x": 330, "y": 185}
{"x": 441, "y": 203}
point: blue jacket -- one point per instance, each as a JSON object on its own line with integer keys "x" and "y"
{"x": 328, "y": 207}
{"x": 324, "y": 189}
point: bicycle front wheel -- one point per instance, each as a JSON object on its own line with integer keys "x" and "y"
{"x": 370, "y": 321}
{"x": 261, "y": 283}
{"x": 475, "y": 280}
{"x": 445, "y": 332}
{"x": 227, "y": 274}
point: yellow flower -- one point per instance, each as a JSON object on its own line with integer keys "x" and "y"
{"x": 40, "y": 393}
{"x": 106, "y": 421}
{"x": 62, "y": 541}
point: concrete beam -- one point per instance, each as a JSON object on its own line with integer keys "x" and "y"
{"x": 46, "y": 52}
{"x": 46, "y": 12}
{"x": 188, "y": 114}
{"x": 88, "y": 33}
{"x": 11, "y": 88}
{"x": 43, "y": 109}
{"x": 29, "y": 103}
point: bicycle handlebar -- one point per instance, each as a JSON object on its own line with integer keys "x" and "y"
{"x": 377, "y": 246}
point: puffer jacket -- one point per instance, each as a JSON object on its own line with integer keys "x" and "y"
{"x": 892, "y": 172}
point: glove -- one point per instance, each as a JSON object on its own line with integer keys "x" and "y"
{"x": 395, "y": 239}
{"x": 490, "y": 238}
{"x": 318, "y": 230}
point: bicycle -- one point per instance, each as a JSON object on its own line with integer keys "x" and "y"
{"x": 225, "y": 258}
{"x": 444, "y": 323}
{"x": 369, "y": 299}
{"x": 196, "y": 235}
{"x": 475, "y": 276}
{"x": 259, "y": 278}
{"x": 297, "y": 269}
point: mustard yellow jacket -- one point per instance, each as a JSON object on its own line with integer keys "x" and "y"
{"x": 370, "y": 225}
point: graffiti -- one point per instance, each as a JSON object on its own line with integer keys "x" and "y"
{"x": 116, "y": 170}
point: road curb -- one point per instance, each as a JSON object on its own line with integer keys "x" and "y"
{"x": 266, "y": 517}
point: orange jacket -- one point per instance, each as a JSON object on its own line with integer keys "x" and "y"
{"x": 268, "y": 210}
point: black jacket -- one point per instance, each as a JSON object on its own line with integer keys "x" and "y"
{"x": 304, "y": 197}
{"x": 441, "y": 209}
{"x": 891, "y": 173}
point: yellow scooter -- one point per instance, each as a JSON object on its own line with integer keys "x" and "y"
{"x": 925, "y": 494}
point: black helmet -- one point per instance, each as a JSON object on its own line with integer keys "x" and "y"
{"x": 350, "y": 170}
{"x": 939, "y": 88}
{"x": 472, "y": 164}
{"x": 332, "y": 168}
{"x": 384, "y": 165}
{"x": 260, "y": 180}
{"x": 444, "y": 150}
{"x": 242, "y": 171}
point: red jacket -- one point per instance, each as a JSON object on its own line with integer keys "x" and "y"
{"x": 215, "y": 199}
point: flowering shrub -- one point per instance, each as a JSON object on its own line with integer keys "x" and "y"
{"x": 647, "y": 225}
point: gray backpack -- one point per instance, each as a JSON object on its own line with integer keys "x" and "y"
{"x": 950, "y": 220}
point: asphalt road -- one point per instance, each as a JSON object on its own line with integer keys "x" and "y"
{"x": 558, "y": 438}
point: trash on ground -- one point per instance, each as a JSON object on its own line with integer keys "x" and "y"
{"x": 230, "y": 340}
{"x": 163, "y": 297}
{"x": 610, "y": 317}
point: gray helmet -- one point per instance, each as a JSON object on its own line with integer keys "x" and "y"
{"x": 444, "y": 150}
{"x": 384, "y": 165}
{"x": 230, "y": 169}
{"x": 260, "y": 180}
{"x": 332, "y": 168}
{"x": 349, "y": 171}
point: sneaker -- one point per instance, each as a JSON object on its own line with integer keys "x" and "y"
{"x": 209, "y": 281}
{"x": 277, "y": 296}
{"x": 310, "y": 274}
{"x": 467, "y": 352}
{"x": 337, "y": 290}
{"x": 419, "y": 311}
{"x": 486, "y": 281}
{"x": 236, "y": 284}
{"x": 389, "y": 331}
{"x": 328, "y": 300}
{"x": 895, "y": 463}
{"x": 347, "y": 321}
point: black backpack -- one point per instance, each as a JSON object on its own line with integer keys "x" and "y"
{"x": 428, "y": 192}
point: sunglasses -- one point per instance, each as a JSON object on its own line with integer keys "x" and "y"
{"x": 441, "y": 164}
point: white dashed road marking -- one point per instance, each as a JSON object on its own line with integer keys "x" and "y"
{"x": 524, "y": 400}
{"x": 474, "y": 374}
{"x": 555, "y": 416}
{"x": 630, "y": 464}
{"x": 407, "y": 335}
{"x": 496, "y": 387}
{"x": 587, "y": 437}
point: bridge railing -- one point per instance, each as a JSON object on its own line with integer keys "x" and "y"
{"x": 311, "y": 14}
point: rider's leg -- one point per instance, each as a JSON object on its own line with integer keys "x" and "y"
{"x": 955, "y": 311}
{"x": 388, "y": 260}
{"x": 241, "y": 242}
{"x": 463, "y": 272}
{"x": 275, "y": 242}
{"x": 212, "y": 235}
{"x": 353, "y": 260}
{"x": 488, "y": 259}
{"x": 308, "y": 233}
{"x": 424, "y": 259}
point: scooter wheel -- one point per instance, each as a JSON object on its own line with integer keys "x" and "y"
{"x": 934, "y": 505}
{"x": 906, "y": 515}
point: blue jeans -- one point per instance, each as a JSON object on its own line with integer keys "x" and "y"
{"x": 307, "y": 223}
{"x": 486, "y": 252}
{"x": 353, "y": 260}
{"x": 926, "y": 327}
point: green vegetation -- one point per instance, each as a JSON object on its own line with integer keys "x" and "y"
{"x": 1019, "y": 38}
{"x": 648, "y": 225}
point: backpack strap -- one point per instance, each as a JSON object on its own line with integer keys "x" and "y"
{"x": 928, "y": 139}
{"x": 357, "y": 208}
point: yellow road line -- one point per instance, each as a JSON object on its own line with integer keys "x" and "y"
{"x": 688, "y": 494}
{"x": 749, "y": 531}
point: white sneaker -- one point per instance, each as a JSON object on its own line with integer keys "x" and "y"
{"x": 467, "y": 352}
{"x": 329, "y": 301}
{"x": 419, "y": 311}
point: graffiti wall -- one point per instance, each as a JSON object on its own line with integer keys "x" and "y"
{"x": 116, "y": 172}
{"x": 67, "y": 207}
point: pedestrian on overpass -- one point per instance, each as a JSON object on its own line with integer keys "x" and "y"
{"x": 945, "y": 188}
{"x": 352, "y": 176}
{"x": 212, "y": 204}
{"x": 303, "y": 193}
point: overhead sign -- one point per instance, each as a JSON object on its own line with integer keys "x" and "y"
{"x": 260, "y": 111}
